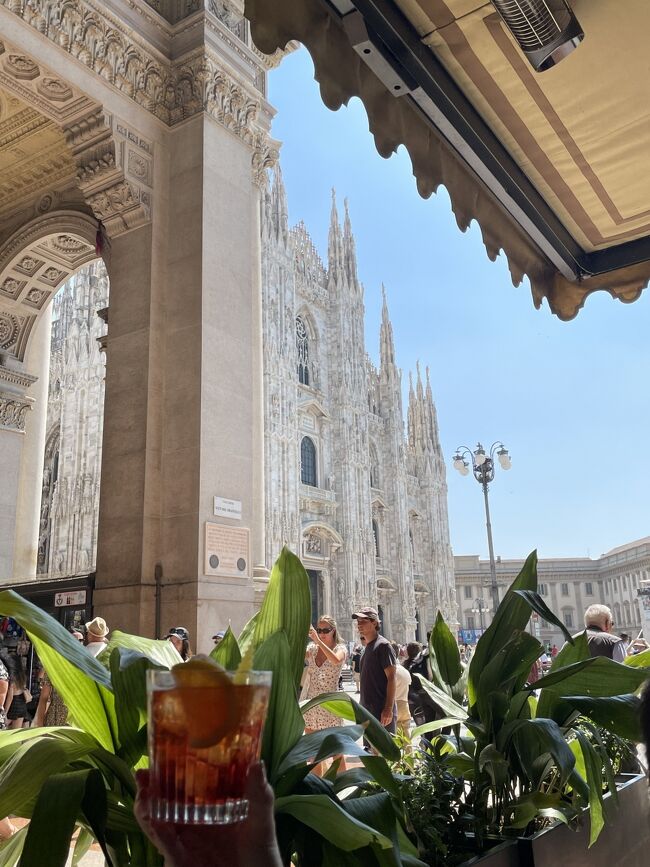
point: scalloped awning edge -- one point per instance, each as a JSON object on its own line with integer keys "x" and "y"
{"x": 393, "y": 121}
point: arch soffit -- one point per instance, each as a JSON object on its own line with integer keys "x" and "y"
{"x": 34, "y": 263}
{"x": 319, "y": 527}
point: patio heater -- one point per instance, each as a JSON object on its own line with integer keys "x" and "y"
{"x": 483, "y": 469}
{"x": 545, "y": 30}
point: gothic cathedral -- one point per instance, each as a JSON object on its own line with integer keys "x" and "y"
{"x": 364, "y": 505}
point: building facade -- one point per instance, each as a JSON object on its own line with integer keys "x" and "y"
{"x": 568, "y": 585}
{"x": 361, "y": 498}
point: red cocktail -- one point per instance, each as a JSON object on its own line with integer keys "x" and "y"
{"x": 205, "y": 730}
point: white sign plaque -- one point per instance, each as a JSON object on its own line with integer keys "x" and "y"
{"x": 72, "y": 597}
{"x": 227, "y": 550}
{"x": 225, "y": 508}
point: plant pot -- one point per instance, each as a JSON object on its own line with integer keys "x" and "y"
{"x": 624, "y": 841}
{"x": 505, "y": 854}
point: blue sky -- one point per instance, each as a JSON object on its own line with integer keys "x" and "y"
{"x": 569, "y": 399}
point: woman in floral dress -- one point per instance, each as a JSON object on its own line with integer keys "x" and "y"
{"x": 324, "y": 659}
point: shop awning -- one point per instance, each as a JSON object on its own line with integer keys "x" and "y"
{"x": 554, "y": 166}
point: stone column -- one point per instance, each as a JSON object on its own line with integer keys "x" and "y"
{"x": 183, "y": 408}
{"x": 15, "y": 405}
{"x": 28, "y": 507}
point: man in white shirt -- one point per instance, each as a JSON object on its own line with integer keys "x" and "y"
{"x": 96, "y": 633}
{"x": 402, "y": 683}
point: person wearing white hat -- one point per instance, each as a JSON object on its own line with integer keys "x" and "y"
{"x": 96, "y": 632}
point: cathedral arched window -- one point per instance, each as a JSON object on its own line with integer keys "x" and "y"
{"x": 375, "y": 533}
{"x": 308, "y": 462}
{"x": 302, "y": 346}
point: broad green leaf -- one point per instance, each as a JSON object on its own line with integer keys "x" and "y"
{"x": 537, "y": 739}
{"x": 59, "y": 805}
{"x": 597, "y": 676}
{"x": 594, "y": 776}
{"x": 638, "y": 660}
{"x": 513, "y": 613}
{"x": 549, "y": 704}
{"x": 163, "y": 653}
{"x": 284, "y": 723}
{"x": 328, "y": 818}
{"x": 322, "y": 744}
{"x": 381, "y": 772}
{"x": 444, "y": 701}
{"x": 129, "y": 677}
{"x": 23, "y": 775}
{"x": 506, "y": 672}
{"x": 287, "y": 606}
{"x": 538, "y": 605}
{"x": 620, "y": 714}
{"x": 247, "y": 635}
{"x": 341, "y": 704}
{"x": 434, "y": 726}
{"x": 82, "y": 681}
{"x": 375, "y": 811}
{"x": 227, "y": 652}
{"x": 444, "y": 655}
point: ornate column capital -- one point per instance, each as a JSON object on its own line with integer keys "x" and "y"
{"x": 14, "y": 404}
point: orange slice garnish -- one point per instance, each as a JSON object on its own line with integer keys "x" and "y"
{"x": 208, "y": 699}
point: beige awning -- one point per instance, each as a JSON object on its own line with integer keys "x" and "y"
{"x": 571, "y": 209}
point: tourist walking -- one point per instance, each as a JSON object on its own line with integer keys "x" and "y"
{"x": 96, "y": 635}
{"x": 357, "y": 653}
{"x": 17, "y": 697}
{"x": 4, "y": 686}
{"x": 180, "y": 638}
{"x": 378, "y": 669}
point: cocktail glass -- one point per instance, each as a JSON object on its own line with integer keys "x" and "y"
{"x": 202, "y": 740}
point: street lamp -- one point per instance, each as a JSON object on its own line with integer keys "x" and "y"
{"x": 480, "y": 608}
{"x": 483, "y": 469}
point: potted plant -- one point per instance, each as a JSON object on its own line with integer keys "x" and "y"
{"x": 82, "y": 776}
{"x": 530, "y": 761}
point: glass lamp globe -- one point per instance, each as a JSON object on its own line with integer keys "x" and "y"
{"x": 464, "y": 471}
{"x": 479, "y": 458}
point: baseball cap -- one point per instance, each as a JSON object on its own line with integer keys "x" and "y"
{"x": 218, "y": 635}
{"x": 179, "y": 631}
{"x": 367, "y": 613}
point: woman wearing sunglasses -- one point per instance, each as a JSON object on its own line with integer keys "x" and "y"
{"x": 324, "y": 659}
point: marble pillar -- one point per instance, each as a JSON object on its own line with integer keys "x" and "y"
{"x": 28, "y": 507}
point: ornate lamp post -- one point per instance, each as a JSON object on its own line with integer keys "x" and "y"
{"x": 483, "y": 469}
{"x": 480, "y": 608}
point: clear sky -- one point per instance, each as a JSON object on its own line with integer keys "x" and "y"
{"x": 568, "y": 399}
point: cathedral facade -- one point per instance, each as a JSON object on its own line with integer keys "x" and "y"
{"x": 362, "y": 501}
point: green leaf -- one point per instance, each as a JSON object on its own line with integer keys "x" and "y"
{"x": 620, "y": 714}
{"x": 506, "y": 672}
{"x": 537, "y": 739}
{"x": 82, "y": 681}
{"x": 323, "y": 744}
{"x": 284, "y": 723}
{"x": 513, "y": 613}
{"x": 129, "y": 677}
{"x": 537, "y": 603}
{"x": 23, "y": 775}
{"x": 594, "y": 775}
{"x": 81, "y": 847}
{"x": 434, "y": 726}
{"x": 163, "y": 653}
{"x": 62, "y": 799}
{"x": 342, "y": 705}
{"x": 444, "y": 655}
{"x": 638, "y": 660}
{"x": 550, "y": 705}
{"x": 287, "y": 606}
{"x": 227, "y": 652}
{"x": 597, "y": 676}
{"x": 247, "y": 635}
{"x": 382, "y": 774}
{"x": 328, "y": 818}
{"x": 444, "y": 701}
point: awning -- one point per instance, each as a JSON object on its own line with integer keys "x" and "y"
{"x": 554, "y": 166}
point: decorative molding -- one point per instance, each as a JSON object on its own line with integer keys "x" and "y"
{"x": 170, "y": 90}
{"x": 16, "y": 378}
{"x": 13, "y": 412}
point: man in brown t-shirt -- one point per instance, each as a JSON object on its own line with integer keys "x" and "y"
{"x": 378, "y": 666}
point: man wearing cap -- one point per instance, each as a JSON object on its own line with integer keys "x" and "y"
{"x": 96, "y": 632}
{"x": 217, "y": 637}
{"x": 378, "y": 667}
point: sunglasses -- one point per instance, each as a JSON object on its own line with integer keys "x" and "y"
{"x": 324, "y": 630}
